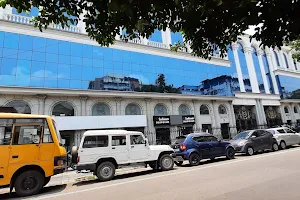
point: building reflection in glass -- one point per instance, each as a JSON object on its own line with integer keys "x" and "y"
{"x": 289, "y": 87}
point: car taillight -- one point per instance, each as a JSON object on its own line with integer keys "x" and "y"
{"x": 182, "y": 147}
{"x": 78, "y": 159}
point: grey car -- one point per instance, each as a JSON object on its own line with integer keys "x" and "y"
{"x": 253, "y": 141}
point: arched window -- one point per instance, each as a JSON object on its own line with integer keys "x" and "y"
{"x": 160, "y": 110}
{"x": 184, "y": 110}
{"x": 63, "y": 108}
{"x": 100, "y": 109}
{"x": 286, "y": 60}
{"x": 20, "y": 106}
{"x": 295, "y": 109}
{"x": 133, "y": 109}
{"x": 204, "y": 110}
{"x": 276, "y": 58}
{"x": 222, "y": 110}
{"x": 286, "y": 110}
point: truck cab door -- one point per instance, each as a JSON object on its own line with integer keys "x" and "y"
{"x": 25, "y": 145}
{"x": 138, "y": 148}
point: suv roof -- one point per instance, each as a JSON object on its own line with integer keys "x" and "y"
{"x": 110, "y": 132}
{"x": 201, "y": 134}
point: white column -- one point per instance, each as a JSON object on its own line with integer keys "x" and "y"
{"x": 263, "y": 72}
{"x": 232, "y": 120}
{"x": 41, "y": 107}
{"x": 291, "y": 61}
{"x": 81, "y": 23}
{"x": 298, "y": 65}
{"x": 216, "y": 121}
{"x": 238, "y": 67}
{"x": 251, "y": 70}
{"x": 271, "y": 69}
{"x": 166, "y": 37}
{"x": 196, "y": 115}
{"x": 118, "y": 105}
{"x": 283, "y": 117}
{"x": 83, "y": 100}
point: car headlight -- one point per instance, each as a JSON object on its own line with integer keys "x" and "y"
{"x": 241, "y": 143}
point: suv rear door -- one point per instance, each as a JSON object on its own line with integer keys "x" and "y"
{"x": 202, "y": 146}
{"x": 215, "y": 146}
{"x": 93, "y": 148}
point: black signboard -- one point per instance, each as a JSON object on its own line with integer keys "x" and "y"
{"x": 188, "y": 119}
{"x": 161, "y": 120}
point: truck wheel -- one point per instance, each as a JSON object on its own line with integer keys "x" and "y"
{"x": 106, "y": 171}
{"x": 47, "y": 180}
{"x": 166, "y": 162}
{"x": 194, "y": 159}
{"x": 29, "y": 183}
{"x": 74, "y": 154}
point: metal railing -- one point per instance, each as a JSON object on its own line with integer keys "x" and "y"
{"x": 157, "y": 44}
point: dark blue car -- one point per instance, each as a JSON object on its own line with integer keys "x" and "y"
{"x": 197, "y": 146}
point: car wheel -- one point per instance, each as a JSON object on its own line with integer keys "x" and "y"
{"x": 179, "y": 163}
{"x": 29, "y": 183}
{"x": 275, "y": 147}
{"x": 194, "y": 159}
{"x": 166, "y": 162}
{"x": 282, "y": 145}
{"x": 250, "y": 151}
{"x": 230, "y": 153}
{"x": 47, "y": 180}
{"x": 106, "y": 171}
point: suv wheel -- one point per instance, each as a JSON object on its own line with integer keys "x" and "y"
{"x": 275, "y": 147}
{"x": 166, "y": 162}
{"x": 249, "y": 151}
{"x": 106, "y": 171}
{"x": 282, "y": 145}
{"x": 29, "y": 183}
{"x": 194, "y": 159}
{"x": 230, "y": 153}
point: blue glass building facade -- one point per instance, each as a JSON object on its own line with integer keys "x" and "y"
{"x": 41, "y": 62}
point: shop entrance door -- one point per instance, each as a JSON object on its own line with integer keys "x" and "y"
{"x": 163, "y": 136}
{"x": 225, "y": 131}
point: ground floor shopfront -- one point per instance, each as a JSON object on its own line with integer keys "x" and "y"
{"x": 161, "y": 117}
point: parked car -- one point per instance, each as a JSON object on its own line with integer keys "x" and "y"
{"x": 197, "y": 146}
{"x": 103, "y": 151}
{"x": 285, "y": 136}
{"x": 252, "y": 141}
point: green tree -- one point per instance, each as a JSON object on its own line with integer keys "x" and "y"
{"x": 161, "y": 83}
{"x": 295, "y": 45}
{"x": 207, "y": 24}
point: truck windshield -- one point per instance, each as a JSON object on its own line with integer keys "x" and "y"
{"x": 57, "y": 133}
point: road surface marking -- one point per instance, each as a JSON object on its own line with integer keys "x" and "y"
{"x": 165, "y": 175}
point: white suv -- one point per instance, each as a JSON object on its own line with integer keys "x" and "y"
{"x": 285, "y": 136}
{"x": 103, "y": 151}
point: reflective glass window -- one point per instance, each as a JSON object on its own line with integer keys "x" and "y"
{"x": 51, "y": 70}
{"x": 267, "y": 70}
{"x": 204, "y": 110}
{"x": 100, "y": 109}
{"x": 52, "y": 46}
{"x": 22, "y": 80}
{"x": 63, "y": 83}
{"x": 258, "y": 71}
{"x": 184, "y": 110}
{"x": 50, "y": 82}
{"x": 87, "y": 62}
{"x": 38, "y": 69}
{"x": 11, "y": 40}
{"x": 133, "y": 109}
{"x": 20, "y": 106}
{"x": 23, "y": 68}
{"x": 160, "y": 110}
{"x": 64, "y": 59}
{"x": 64, "y": 48}
{"x": 10, "y": 53}
{"x": 26, "y": 42}
{"x": 76, "y": 72}
{"x": 39, "y": 44}
{"x": 76, "y": 49}
{"x": 76, "y": 60}
{"x": 25, "y": 55}
{"x": 9, "y": 66}
{"x": 38, "y": 56}
{"x": 75, "y": 84}
{"x": 63, "y": 108}
{"x": 288, "y": 87}
{"x": 87, "y": 51}
{"x": 8, "y": 80}
{"x": 64, "y": 71}
{"x": 36, "y": 82}
{"x": 51, "y": 58}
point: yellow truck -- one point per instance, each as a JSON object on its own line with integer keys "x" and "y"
{"x": 31, "y": 151}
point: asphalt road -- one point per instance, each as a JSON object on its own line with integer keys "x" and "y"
{"x": 267, "y": 176}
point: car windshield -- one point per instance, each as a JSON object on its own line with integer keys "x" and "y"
{"x": 57, "y": 133}
{"x": 179, "y": 140}
{"x": 242, "y": 135}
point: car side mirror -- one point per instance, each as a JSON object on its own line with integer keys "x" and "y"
{"x": 253, "y": 136}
